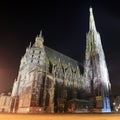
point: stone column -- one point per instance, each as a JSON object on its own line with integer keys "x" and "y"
{"x": 51, "y": 100}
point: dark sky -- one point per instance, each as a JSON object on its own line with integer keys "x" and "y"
{"x": 64, "y": 25}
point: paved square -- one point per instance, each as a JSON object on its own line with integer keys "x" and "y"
{"x": 59, "y": 116}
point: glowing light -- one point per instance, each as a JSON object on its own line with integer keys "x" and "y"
{"x": 40, "y": 109}
{"x": 114, "y": 103}
{"x": 28, "y": 109}
{"x": 106, "y": 105}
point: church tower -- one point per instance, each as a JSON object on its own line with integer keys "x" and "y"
{"x": 96, "y": 73}
{"x": 30, "y": 81}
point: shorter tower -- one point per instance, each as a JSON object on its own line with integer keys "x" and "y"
{"x": 96, "y": 73}
{"x": 29, "y": 84}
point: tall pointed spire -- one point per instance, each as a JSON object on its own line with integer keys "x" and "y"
{"x": 92, "y": 26}
{"x": 95, "y": 71}
{"x": 40, "y": 35}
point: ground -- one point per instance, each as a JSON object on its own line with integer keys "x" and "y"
{"x": 59, "y": 116}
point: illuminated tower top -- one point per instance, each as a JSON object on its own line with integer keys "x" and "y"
{"x": 91, "y": 21}
{"x": 95, "y": 64}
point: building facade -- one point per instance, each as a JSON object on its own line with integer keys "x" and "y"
{"x": 46, "y": 79}
{"x": 6, "y": 102}
{"x": 49, "y": 81}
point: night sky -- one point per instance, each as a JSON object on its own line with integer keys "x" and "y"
{"x": 64, "y": 24}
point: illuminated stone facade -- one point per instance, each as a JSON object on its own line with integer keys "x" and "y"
{"x": 46, "y": 79}
{"x": 49, "y": 81}
{"x": 95, "y": 69}
{"x": 6, "y": 103}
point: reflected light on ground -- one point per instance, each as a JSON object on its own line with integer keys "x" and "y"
{"x": 60, "y": 117}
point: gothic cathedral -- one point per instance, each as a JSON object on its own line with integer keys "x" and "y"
{"x": 50, "y": 82}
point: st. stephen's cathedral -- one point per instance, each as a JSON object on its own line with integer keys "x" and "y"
{"x": 51, "y": 82}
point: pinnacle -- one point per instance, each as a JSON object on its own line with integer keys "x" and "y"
{"x": 90, "y": 9}
{"x": 40, "y": 33}
{"x": 91, "y": 20}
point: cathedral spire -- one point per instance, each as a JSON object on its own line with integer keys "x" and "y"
{"x": 96, "y": 74}
{"x": 40, "y": 35}
{"x": 92, "y": 26}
